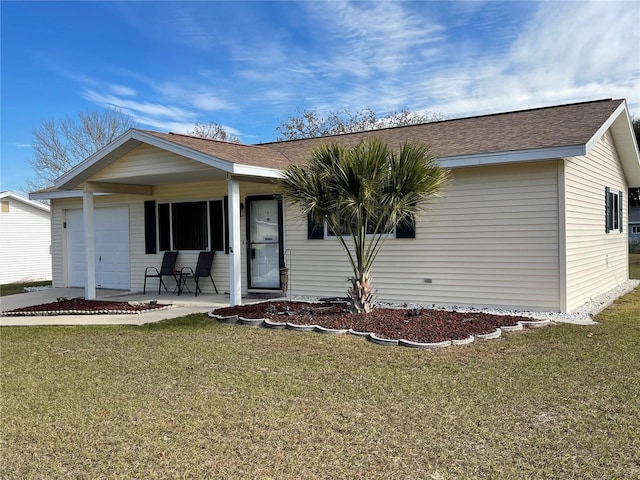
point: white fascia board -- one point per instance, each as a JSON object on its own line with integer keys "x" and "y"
{"x": 606, "y": 125}
{"x": 252, "y": 171}
{"x": 512, "y": 157}
{"x": 60, "y": 194}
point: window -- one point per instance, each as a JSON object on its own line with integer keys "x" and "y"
{"x": 405, "y": 229}
{"x": 635, "y": 229}
{"x": 331, "y": 233}
{"x": 613, "y": 210}
{"x": 196, "y": 225}
{"x": 5, "y": 206}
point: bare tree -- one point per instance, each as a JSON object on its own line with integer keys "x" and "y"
{"x": 308, "y": 123}
{"x": 59, "y": 145}
{"x": 213, "y": 131}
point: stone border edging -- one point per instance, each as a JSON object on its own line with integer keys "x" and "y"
{"x": 251, "y": 322}
{"x": 463, "y": 341}
{"x": 382, "y": 341}
{"x": 372, "y": 337}
{"x": 408, "y": 343}
{"x": 512, "y": 328}
{"x": 331, "y": 331}
{"x": 300, "y": 328}
{"x": 53, "y": 313}
{"x": 271, "y": 324}
{"x": 490, "y": 335}
{"x": 535, "y": 323}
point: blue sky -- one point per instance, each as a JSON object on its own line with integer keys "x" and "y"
{"x": 248, "y": 66}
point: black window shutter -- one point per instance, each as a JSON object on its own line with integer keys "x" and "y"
{"x": 225, "y": 207}
{"x": 607, "y": 210}
{"x": 216, "y": 224}
{"x": 406, "y": 228}
{"x": 150, "y": 227}
{"x": 620, "y": 212}
{"x": 315, "y": 231}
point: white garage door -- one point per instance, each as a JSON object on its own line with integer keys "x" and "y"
{"x": 112, "y": 248}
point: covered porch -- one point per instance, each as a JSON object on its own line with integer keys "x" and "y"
{"x": 141, "y": 169}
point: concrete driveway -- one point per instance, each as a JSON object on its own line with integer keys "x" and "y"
{"x": 184, "y": 304}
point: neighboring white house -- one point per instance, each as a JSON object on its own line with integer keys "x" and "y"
{"x": 25, "y": 239}
{"x": 534, "y": 217}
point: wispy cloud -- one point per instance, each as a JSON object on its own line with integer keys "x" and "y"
{"x": 383, "y": 55}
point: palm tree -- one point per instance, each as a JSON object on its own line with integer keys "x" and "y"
{"x": 362, "y": 193}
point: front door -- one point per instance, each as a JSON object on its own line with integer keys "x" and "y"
{"x": 264, "y": 241}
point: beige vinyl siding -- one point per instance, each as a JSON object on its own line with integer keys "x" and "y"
{"x": 596, "y": 261}
{"x": 490, "y": 240}
{"x": 138, "y": 259}
{"x": 25, "y": 239}
{"x": 144, "y": 159}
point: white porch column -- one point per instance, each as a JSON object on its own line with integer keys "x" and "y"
{"x": 235, "y": 249}
{"x": 89, "y": 245}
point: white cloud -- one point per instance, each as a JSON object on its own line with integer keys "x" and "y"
{"x": 571, "y": 51}
{"x": 122, "y": 90}
{"x": 136, "y": 109}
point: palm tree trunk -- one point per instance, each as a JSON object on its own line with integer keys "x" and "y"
{"x": 362, "y": 295}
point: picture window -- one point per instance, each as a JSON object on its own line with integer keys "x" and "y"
{"x": 197, "y": 225}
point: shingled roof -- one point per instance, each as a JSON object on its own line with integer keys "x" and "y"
{"x": 535, "y": 134}
{"x": 539, "y": 128}
{"x": 255, "y": 155}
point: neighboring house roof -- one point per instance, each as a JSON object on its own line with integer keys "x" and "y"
{"x": 19, "y": 198}
{"x": 535, "y": 134}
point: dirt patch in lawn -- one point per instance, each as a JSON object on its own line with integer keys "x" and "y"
{"x": 416, "y": 325}
{"x": 80, "y": 306}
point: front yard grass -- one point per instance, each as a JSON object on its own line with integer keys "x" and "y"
{"x": 634, "y": 265}
{"x": 192, "y": 398}
{"x": 13, "y": 288}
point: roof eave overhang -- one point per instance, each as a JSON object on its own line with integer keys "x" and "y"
{"x": 516, "y": 156}
{"x": 253, "y": 171}
{"x": 58, "y": 194}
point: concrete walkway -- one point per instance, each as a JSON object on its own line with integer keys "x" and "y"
{"x": 179, "y": 306}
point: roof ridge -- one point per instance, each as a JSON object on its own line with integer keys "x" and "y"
{"x": 486, "y": 115}
{"x": 224, "y": 142}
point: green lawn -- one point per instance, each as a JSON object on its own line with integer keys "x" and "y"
{"x": 13, "y": 288}
{"x": 192, "y": 398}
{"x": 634, "y": 265}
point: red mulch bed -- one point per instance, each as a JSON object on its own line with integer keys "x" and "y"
{"x": 421, "y": 325}
{"x": 80, "y": 306}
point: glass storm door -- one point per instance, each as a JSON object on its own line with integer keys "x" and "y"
{"x": 264, "y": 234}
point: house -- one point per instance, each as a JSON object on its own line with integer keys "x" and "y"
{"x": 634, "y": 220}
{"x": 534, "y": 217}
{"x": 25, "y": 239}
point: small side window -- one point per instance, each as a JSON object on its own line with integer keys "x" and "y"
{"x": 613, "y": 210}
